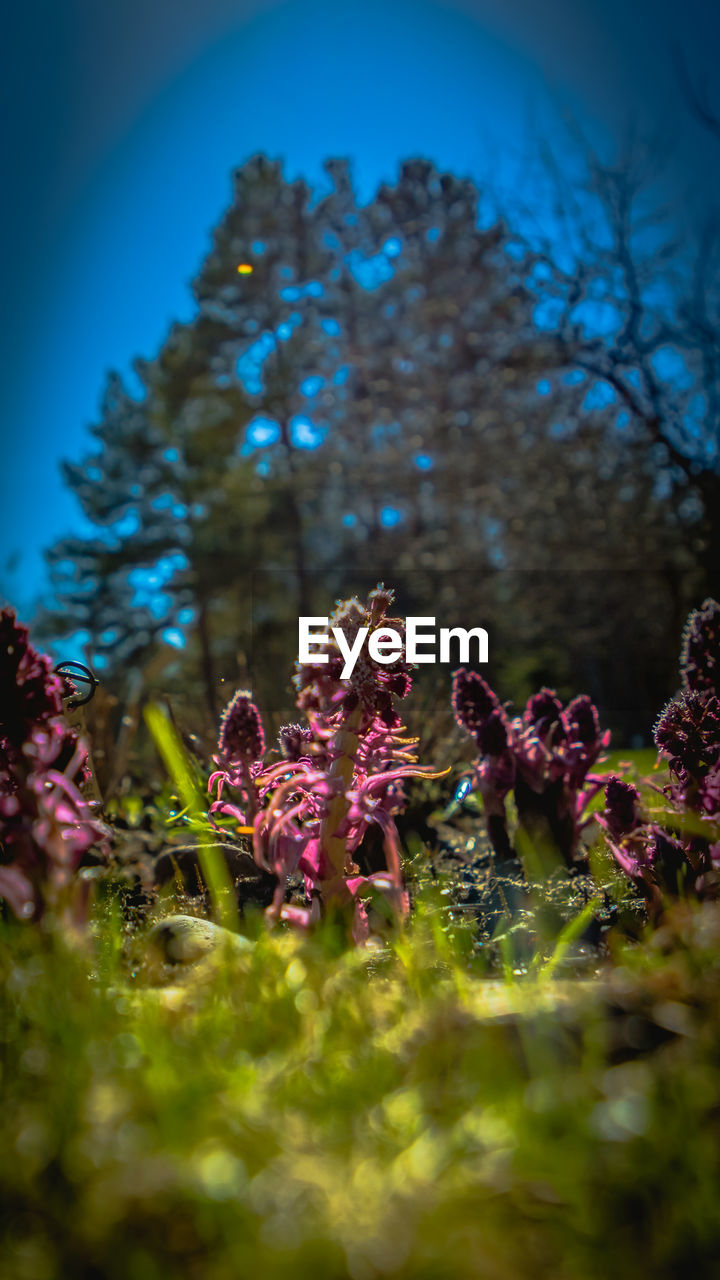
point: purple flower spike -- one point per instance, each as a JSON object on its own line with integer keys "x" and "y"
{"x": 700, "y": 652}
{"x": 688, "y": 733}
{"x": 544, "y": 756}
{"x": 473, "y": 701}
{"x": 582, "y": 717}
{"x": 543, "y": 712}
{"x": 241, "y": 731}
{"x": 622, "y": 811}
{"x": 340, "y": 775}
{"x": 30, "y": 693}
{"x": 492, "y": 736}
{"x": 294, "y": 741}
{"x": 665, "y": 863}
{"x": 46, "y": 824}
{"x": 379, "y": 601}
{"x": 669, "y": 860}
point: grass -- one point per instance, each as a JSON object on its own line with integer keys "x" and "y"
{"x": 305, "y": 1110}
{"x": 643, "y": 762}
{"x": 299, "y": 1108}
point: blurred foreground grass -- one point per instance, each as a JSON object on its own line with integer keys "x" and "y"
{"x": 304, "y": 1110}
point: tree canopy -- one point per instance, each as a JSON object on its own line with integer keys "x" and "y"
{"x": 364, "y": 391}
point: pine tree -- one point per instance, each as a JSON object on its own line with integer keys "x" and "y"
{"x": 363, "y": 390}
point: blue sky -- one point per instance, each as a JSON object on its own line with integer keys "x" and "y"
{"x": 127, "y": 117}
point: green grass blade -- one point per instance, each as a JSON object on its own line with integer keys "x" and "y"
{"x": 212, "y": 862}
{"x": 569, "y": 934}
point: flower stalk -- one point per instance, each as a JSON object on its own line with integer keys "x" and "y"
{"x": 338, "y": 775}
{"x": 675, "y": 851}
{"x": 46, "y": 824}
{"x": 543, "y": 758}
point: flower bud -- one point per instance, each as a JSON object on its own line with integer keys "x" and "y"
{"x": 621, "y": 807}
{"x": 241, "y": 730}
{"x": 700, "y": 652}
{"x": 473, "y": 701}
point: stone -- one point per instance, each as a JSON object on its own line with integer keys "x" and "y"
{"x": 183, "y": 940}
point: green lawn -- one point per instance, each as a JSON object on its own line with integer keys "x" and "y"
{"x": 304, "y": 1110}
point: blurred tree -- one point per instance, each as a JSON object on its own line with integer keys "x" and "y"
{"x": 629, "y": 300}
{"x": 364, "y": 389}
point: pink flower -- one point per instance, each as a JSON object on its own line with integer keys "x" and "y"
{"x": 341, "y": 774}
{"x": 543, "y": 757}
{"x": 45, "y": 822}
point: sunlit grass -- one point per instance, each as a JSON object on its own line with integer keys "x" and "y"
{"x": 308, "y": 1109}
